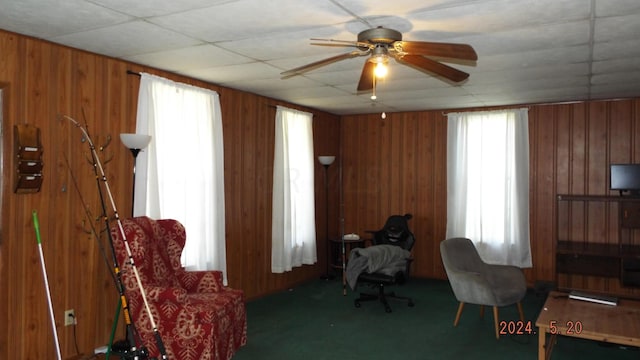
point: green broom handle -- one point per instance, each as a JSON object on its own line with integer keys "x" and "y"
{"x": 36, "y": 226}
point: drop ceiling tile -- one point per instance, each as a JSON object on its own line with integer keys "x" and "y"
{"x": 302, "y": 93}
{"x": 525, "y": 86}
{"x": 616, "y": 78}
{"x": 50, "y": 18}
{"x": 271, "y": 85}
{"x": 355, "y": 106}
{"x": 616, "y": 49}
{"x": 336, "y": 78}
{"x": 290, "y": 45}
{"x": 234, "y": 73}
{"x": 536, "y": 73}
{"x": 435, "y": 103}
{"x": 245, "y": 19}
{"x": 399, "y": 8}
{"x": 534, "y": 58}
{"x": 617, "y": 28}
{"x": 617, "y": 90}
{"x": 131, "y": 38}
{"x": 451, "y": 92}
{"x": 419, "y": 82}
{"x": 631, "y": 64}
{"x": 530, "y": 39}
{"x": 339, "y": 99}
{"x": 189, "y": 58}
{"x": 156, "y": 7}
{"x": 548, "y": 95}
{"x": 617, "y": 7}
{"x": 495, "y": 16}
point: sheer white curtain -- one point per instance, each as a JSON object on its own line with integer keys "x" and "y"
{"x": 180, "y": 174}
{"x": 293, "y": 224}
{"x": 488, "y": 183}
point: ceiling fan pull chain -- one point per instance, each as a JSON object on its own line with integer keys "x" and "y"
{"x": 373, "y": 95}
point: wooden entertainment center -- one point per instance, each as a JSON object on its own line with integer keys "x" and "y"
{"x": 598, "y": 235}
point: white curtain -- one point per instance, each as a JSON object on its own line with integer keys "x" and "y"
{"x": 488, "y": 183}
{"x": 180, "y": 174}
{"x": 293, "y": 223}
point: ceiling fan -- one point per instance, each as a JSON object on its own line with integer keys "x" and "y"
{"x": 382, "y": 43}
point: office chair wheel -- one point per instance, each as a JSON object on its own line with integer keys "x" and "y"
{"x": 356, "y": 303}
{"x": 387, "y": 309}
{"x": 411, "y": 304}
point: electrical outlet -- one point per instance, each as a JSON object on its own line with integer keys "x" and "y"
{"x": 69, "y": 317}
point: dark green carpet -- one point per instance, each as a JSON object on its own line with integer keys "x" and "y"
{"x": 315, "y": 321}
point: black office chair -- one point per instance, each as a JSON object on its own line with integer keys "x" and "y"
{"x": 395, "y": 232}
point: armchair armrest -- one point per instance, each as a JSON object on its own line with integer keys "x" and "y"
{"x": 201, "y": 281}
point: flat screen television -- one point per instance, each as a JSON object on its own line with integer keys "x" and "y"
{"x": 626, "y": 179}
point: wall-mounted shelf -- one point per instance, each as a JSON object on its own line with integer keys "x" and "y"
{"x": 28, "y": 151}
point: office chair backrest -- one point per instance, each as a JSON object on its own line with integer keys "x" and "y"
{"x": 395, "y": 232}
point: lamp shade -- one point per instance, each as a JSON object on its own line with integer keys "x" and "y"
{"x": 135, "y": 141}
{"x": 326, "y": 160}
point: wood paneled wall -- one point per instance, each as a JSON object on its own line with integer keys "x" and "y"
{"x": 398, "y": 165}
{"x": 392, "y": 165}
{"x": 41, "y": 81}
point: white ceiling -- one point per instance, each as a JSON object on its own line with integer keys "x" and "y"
{"x": 529, "y": 51}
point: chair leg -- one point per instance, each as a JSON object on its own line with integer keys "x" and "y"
{"x": 458, "y": 314}
{"x": 520, "y": 311}
{"x": 495, "y": 321}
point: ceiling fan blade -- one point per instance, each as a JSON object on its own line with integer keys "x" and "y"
{"x": 341, "y": 43}
{"x": 366, "y": 77}
{"x": 317, "y": 64}
{"x": 334, "y": 44}
{"x": 434, "y": 67}
{"x": 437, "y": 49}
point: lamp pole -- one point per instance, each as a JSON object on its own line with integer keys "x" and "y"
{"x": 135, "y": 153}
{"x": 326, "y": 161}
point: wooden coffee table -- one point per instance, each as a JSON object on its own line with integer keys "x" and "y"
{"x": 582, "y": 319}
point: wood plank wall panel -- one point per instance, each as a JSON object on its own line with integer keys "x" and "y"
{"x": 542, "y": 189}
{"x": 392, "y": 166}
{"x": 40, "y": 81}
{"x": 571, "y": 146}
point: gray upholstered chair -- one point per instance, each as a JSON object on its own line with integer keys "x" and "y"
{"x": 475, "y": 282}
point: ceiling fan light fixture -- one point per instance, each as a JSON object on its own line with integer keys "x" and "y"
{"x": 381, "y": 70}
{"x": 379, "y": 54}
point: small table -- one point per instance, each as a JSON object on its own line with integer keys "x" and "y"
{"x": 336, "y": 246}
{"x": 583, "y": 319}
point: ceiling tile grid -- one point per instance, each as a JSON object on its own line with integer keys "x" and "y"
{"x": 529, "y": 51}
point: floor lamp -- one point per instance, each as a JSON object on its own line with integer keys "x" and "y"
{"x": 135, "y": 143}
{"x": 326, "y": 161}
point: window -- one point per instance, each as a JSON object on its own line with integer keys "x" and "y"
{"x": 488, "y": 183}
{"x": 181, "y": 172}
{"x": 293, "y": 223}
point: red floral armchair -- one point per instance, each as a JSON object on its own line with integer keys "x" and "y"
{"x": 197, "y": 317}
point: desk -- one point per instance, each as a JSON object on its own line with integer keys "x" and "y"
{"x": 582, "y": 319}
{"x": 336, "y": 250}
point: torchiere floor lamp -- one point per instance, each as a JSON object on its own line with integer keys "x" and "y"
{"x": 326, "y": 161}
{"x": 135, "y": 143}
